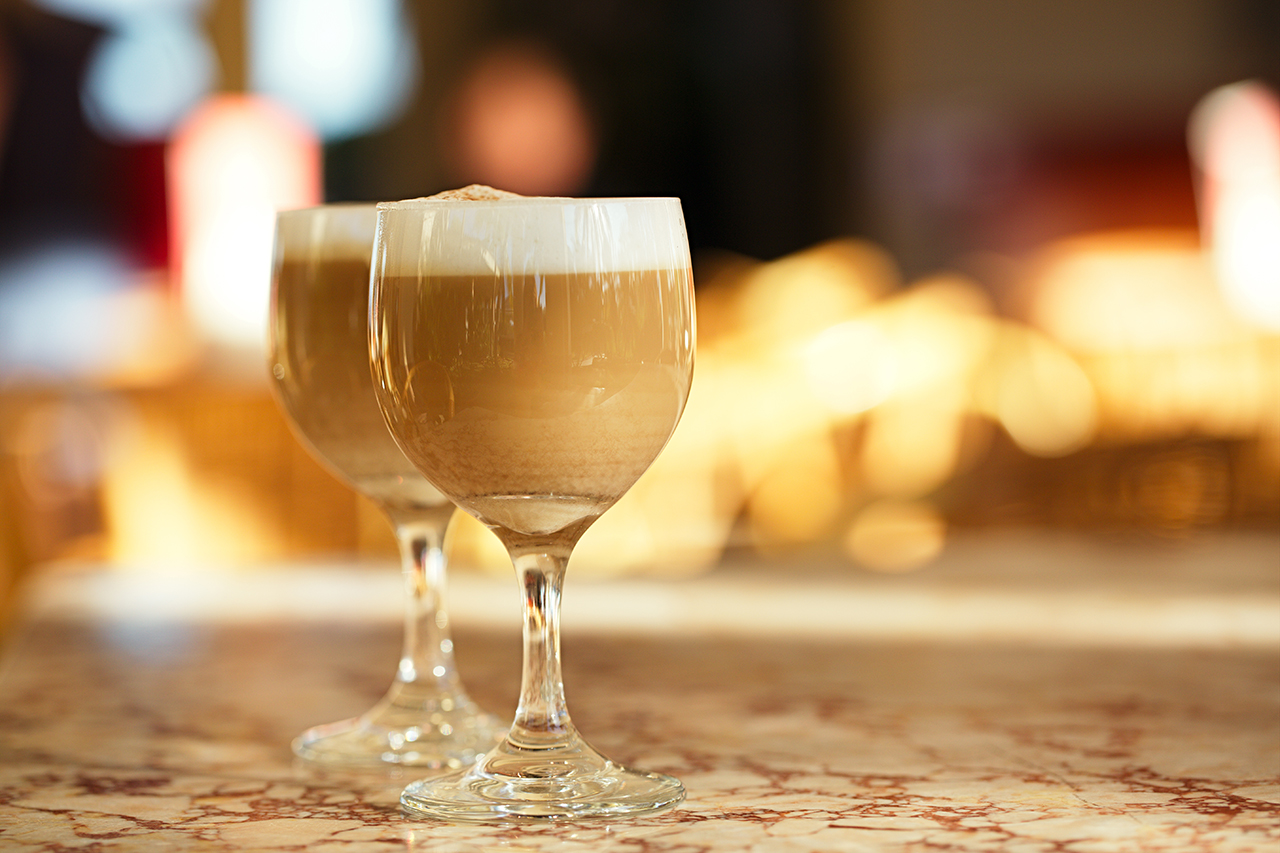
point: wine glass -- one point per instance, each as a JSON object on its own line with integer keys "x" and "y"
{"x": 532, "y": 357}
{"x": 319, "y": 358}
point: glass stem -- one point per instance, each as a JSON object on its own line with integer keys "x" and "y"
{"x": 542, "y": 717}
{"x": 426, "y": 656}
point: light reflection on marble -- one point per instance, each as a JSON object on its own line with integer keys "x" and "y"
{"x": 128, "y": 734}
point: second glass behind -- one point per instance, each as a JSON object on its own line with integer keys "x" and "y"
{"x": 319, "y": 358}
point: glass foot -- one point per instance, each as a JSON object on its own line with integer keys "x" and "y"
{"x": 440, "y": 735}
{"x": 503, "y": 787}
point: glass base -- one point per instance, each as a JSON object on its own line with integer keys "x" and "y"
{"x": 399, "y": 733}
{"x": 499, "y": 788}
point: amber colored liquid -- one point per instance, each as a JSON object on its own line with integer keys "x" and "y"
{"x": 535, "y": 402}
{"x": 320, "y": 360}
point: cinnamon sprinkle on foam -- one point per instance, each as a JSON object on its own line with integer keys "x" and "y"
{"x": 473, "y": 192}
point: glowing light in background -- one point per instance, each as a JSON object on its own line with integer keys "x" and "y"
{"x": 912, "y": 443}
{"x": 1040, "y": 395}
{"x": 518, "y": 121}
{"x": 896, "y": 536}
{"x": 148, "y": 72}
{"x": 233, "y": 164}
{"x": 160, "y": 506}
{"x": 1234, "y": 137}
{"x": 849, "y": 368}
{"x": 1145, "y": 319}
{"x": 786, "y": 444}
{"x": 347, "y": 66}
{"x": 834, "y": 403}
{"x": 795, "y": 297}
{"x": 1139, "y": 291}
{"x": 58, "y": 314}
{"x": 799, "y": 499}
{"x": 940, "y": 328}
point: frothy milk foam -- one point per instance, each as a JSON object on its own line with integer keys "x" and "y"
{"x": 347, "y": 231}
{"x": 574, "y": 236}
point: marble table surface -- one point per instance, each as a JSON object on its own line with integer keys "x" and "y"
{"x": 987, "y": 703}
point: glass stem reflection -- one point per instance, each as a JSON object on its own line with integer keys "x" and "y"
{"x": 542, "y": 717}
{"x": 426, "y": 671}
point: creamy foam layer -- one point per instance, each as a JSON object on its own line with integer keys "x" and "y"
{"x": 330, "y": 230}
{"x": 478, "y": 230}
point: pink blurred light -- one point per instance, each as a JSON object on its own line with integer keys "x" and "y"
{"x": 1235, "y": 140}
{"x": 518, "y": 122}
{"x": 232, "y": 164}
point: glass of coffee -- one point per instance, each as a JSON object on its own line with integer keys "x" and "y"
{"x": 319, "y": 361}
{"x": 532, "y": 357}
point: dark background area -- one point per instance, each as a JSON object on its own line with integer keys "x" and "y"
{"x": 932, "y": 127}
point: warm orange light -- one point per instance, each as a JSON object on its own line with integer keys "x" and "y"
{"x": 941, "y": 328}
{"x": 788, "y": 301}
{"x": 1129, "y": 291}
{"x": 232, "y": 165}
{"x": 1039, "y": 394}
{"x": 896, "y": 536}
{"x": 1159, "y": 347}
{"x": 912, "y": 444}
{"x": 519, "y": 122}
{"x": 161, "y": 514}
{"x": 798, "y": 500}
{"x": 850, "y": 366}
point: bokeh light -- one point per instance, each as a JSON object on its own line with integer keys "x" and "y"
{"x": 1129, "y": 291}
{"x": 519, "y": 121}
{"x": 347, "y": 67}
{"x": 896, "y": 536}
{"x": 58, "y": 317}
{"x": 1235, "y": 141}
{"x": 866, "y": 397}
{"x": 146, "y": 74}
{"x": 232, "y": 165}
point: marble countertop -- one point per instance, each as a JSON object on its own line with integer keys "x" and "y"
{"x": 803, "y": 710}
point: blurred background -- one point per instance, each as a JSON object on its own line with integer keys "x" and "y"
{"x": 961, "y": 267}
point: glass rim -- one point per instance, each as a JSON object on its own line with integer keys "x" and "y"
{"x": 521, "y": 201}
{"x": 327, "y": 206}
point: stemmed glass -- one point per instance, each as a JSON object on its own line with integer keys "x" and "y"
{"x": 532, "y": 357}
{"x": 319, "y": 358}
